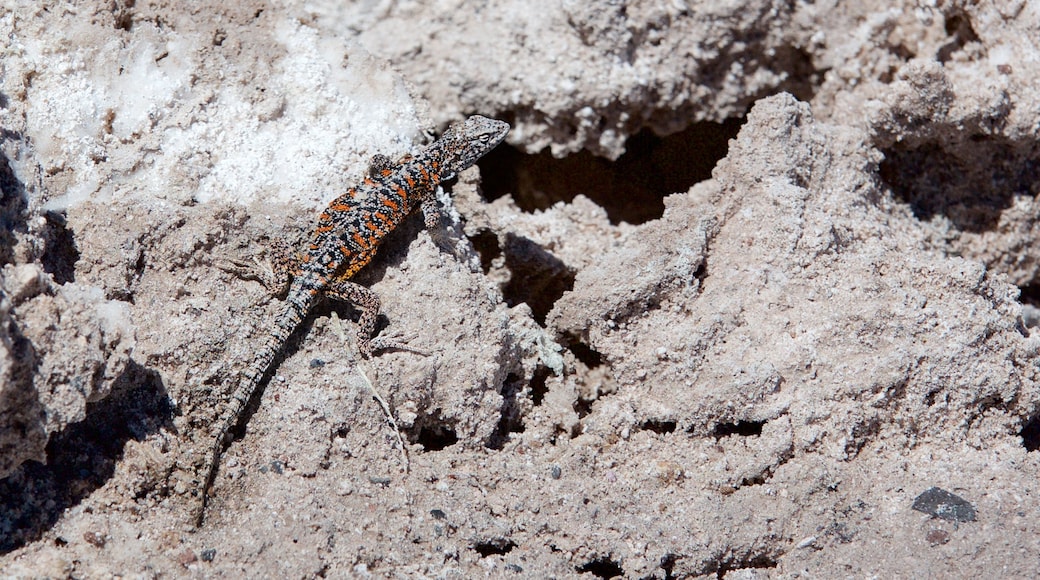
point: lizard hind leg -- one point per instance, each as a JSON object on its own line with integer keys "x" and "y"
{"x": 367, "y": 302}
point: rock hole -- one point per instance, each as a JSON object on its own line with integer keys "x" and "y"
{"x": 1029, "y": 296}
{"x": 631, "y": 189}
{"x": 485, "y": 242}
{"x": 435, "y": 434}
{"x": 511, "y": 418}
{"x": 969, "y": 181}
{"x": 930, "y": 396}
{"x": 59, "y": 248}
{"x": 583, "y": 352}
{"x": 494, "y": 546}
{"x": 537, "y": 277}
{"x": 582, "y": 407}
{"x": 958, "y": 26}
{"x": 1030, "y": 433}
{"x": 539, "y": 386}
{"x": 658, "y": 426}
{"x": 803, "y": 78}
{"x": 741, "y": 428}
{"x": 668, "y": 562}
{"x": 603, "y": 568}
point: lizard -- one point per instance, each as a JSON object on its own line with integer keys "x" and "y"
{"x": 345, "y": 239}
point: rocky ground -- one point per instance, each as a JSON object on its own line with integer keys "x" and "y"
{"x": 747, "y": 281}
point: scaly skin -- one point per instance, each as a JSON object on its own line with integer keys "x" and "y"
{"x": 345, "y": 239}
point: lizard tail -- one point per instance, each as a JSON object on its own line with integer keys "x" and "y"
{"x": 252, "y": 378}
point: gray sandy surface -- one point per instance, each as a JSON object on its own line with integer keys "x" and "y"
{"x": 747, "y": 281}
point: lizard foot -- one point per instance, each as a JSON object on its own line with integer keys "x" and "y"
{"x": 394, "y": 342}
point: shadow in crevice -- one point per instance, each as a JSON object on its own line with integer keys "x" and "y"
{"x": 602, "y": 567}
{"x": 12, "y": 208}
{"x": 631, "y": 189}
{"x": 60, "y": 253}
{"x": 494, "y": 547}
{"x": 958, "y": 27}
{"x": 82, "y": 458}
{"x": 1030, "y": 433}
{"x": 969, "y": 181}
{"x": 740, "y": 428}
{"x": 537, "y": 277}
{"x": 433, "y": 432}
{"x": 57, "y": 251}
{"x": 511, "y": 416}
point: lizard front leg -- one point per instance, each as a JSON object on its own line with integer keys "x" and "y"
{"x": 275, "y": 273}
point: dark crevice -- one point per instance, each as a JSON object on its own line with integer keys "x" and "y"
{"x": 537, "y": 278}
{"x": 59, "y": 248}
{"x": 658, "y": 426}
{"x": 969, "y": 181}
{"x": 434, "y": 434}
{"x": 485, "y": 243}
{"x": 12, "y": 206}
{"x": 740, "y": 428}
{"x": 124, "y": 15}
{"x": 539, "y": 386}
{"x": 958, "y": 26}
{"x": 803, "y": 78}
{"x": 1030, "y": 433}
{"x": 602, "y": 568}
{"x": 631, "y": 189}
{"x": 668, "y": 562}
{"x": 510, "y": 415}
{"x": 494, "y": 546}
{"x": 583, "y": 352}
{"x": 82, "y": 457}
{"x": 930, "y": 396}
{"x": 582, "y": 407}
{"x": 1029, "y": 296}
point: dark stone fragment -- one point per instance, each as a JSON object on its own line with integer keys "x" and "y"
{"x": 944, "y": 505}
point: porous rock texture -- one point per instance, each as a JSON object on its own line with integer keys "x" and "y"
{"x": 746, "y": 280}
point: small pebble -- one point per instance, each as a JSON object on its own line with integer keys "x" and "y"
{"x": 94, "y": 539}
{"x": 937, "y": 537}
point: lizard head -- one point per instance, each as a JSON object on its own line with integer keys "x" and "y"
{"x": 466, "y": 142}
